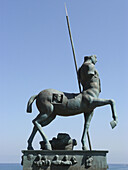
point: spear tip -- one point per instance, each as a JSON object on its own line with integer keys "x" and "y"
{"x": 66, "y": 10}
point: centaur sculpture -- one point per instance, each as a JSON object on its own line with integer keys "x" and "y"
{"x": 51, "y": 103}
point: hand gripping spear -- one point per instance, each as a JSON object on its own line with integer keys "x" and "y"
{"x": 75, "y": 63}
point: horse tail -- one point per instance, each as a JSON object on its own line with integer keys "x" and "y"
{"x": 29, "y": 105}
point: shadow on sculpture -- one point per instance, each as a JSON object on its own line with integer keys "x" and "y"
{"x": 51, "y": 102}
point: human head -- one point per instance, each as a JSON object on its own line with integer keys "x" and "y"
{"x": 93, "y": 58}
{"x": 56, "y": 157}
{"x": 65, "y": 158}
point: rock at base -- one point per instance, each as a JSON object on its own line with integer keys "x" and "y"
{"x": 62, "y": 142}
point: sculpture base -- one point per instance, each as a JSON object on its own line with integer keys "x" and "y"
{"x": 63, "y": 160}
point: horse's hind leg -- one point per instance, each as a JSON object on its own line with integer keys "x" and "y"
{"x": 87, "y": 118}
{"x": 31, "y": 138}
{"x": 39, "y": 122}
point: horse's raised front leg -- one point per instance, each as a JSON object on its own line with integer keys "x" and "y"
{"x": 114, "y": 115}
{"x": 31, "y": 138}
{"x": 87, "y": 119}
{"x": 101, "y": 102}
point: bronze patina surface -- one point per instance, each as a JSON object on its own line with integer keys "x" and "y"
{"x": 64, "y": 160}
{"x": 51, "y": 102}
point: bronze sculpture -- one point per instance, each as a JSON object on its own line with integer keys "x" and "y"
{"x": 51, "y": 102}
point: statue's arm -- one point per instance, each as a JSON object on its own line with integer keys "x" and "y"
{"x": 90, "y": 69}
{"x": 85, "y": 73}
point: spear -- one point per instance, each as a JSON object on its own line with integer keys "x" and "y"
{"x": 74, "y": 57}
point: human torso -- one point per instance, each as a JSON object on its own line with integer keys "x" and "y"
{"x": 89, "y": 78}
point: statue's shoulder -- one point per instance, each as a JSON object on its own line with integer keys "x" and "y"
{"x": 87, "y": 68}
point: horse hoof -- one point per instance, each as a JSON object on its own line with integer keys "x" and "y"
{"x": 113, "y": 123}
{"x": 30, "y": 148}
{"x": 84, "y": 148}
{"x": 48, "y": 147}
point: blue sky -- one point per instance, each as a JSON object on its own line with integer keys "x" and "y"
{"x": 35, "y": 54}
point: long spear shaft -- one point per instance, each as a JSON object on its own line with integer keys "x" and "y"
{"x": 74, "y": 56}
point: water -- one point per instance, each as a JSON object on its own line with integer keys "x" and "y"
{"x": 118, "y": 166}
{"x": 19, "y": 167}
{"x": 11, "y": 167}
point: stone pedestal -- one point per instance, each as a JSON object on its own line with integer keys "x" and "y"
{"x": 64, "y": 160}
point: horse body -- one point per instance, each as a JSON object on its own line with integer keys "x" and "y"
{"x": 71, "y": 103}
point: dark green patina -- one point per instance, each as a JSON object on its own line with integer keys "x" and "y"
{"x": 51, "y": 102}
{"x": 64, "y": 160}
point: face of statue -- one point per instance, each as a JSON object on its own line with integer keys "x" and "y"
{"x": 94, "y": 59}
